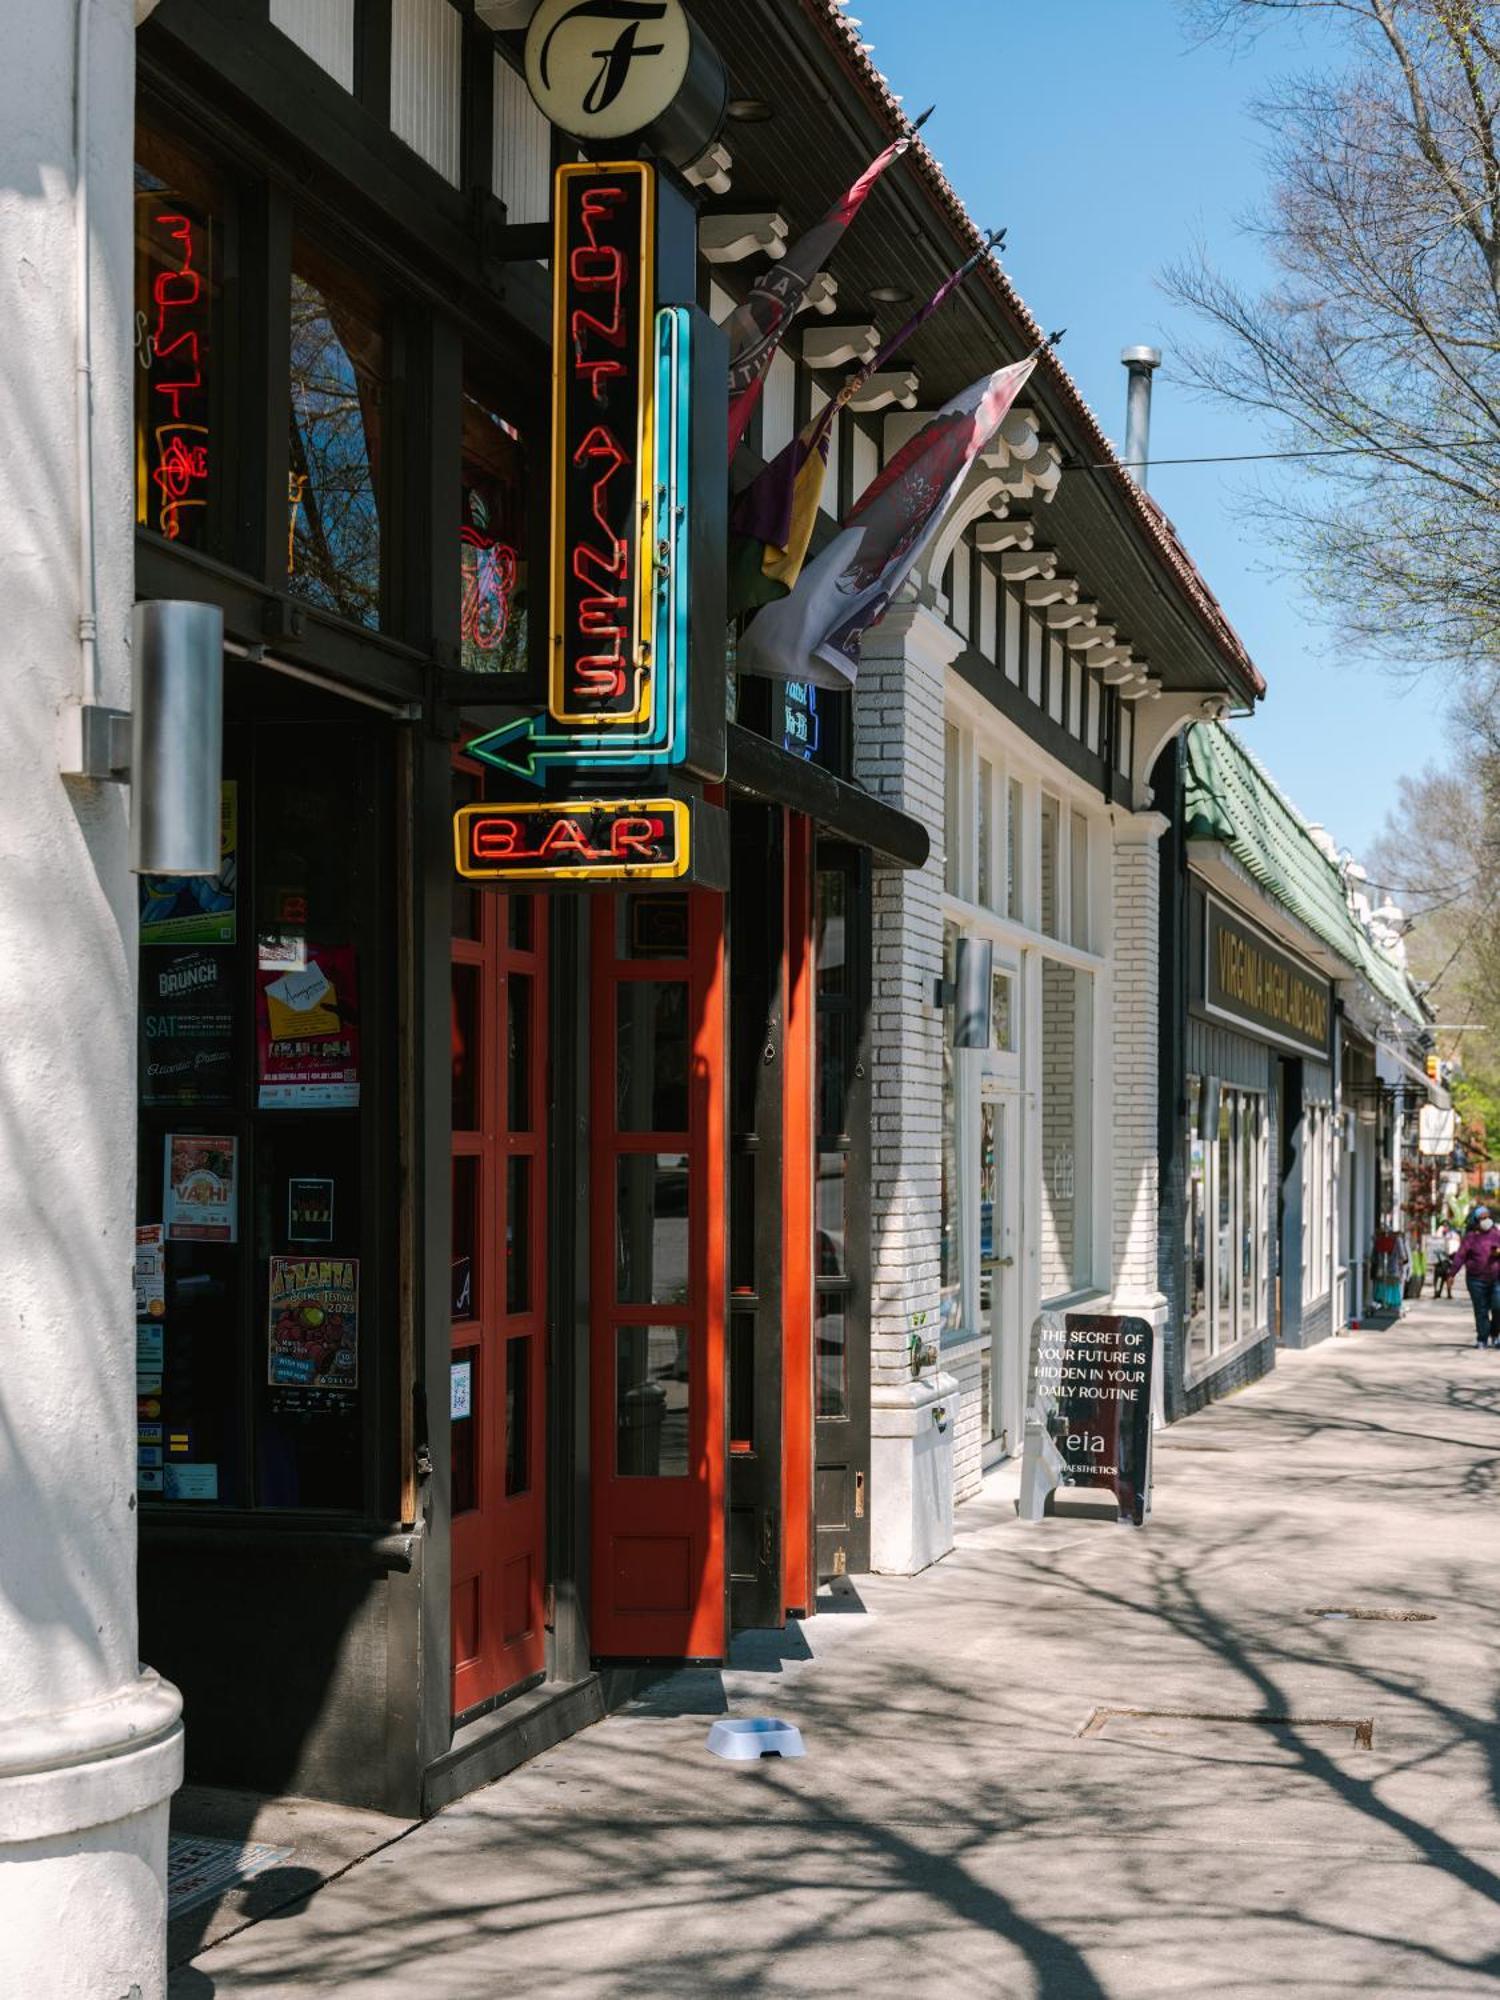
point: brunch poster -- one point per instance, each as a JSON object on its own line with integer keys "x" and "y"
{"x": 314, "y": 1323}
{"x": 199, "y": 1196}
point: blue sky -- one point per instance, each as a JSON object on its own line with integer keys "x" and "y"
{"x": 1109, "y": 145}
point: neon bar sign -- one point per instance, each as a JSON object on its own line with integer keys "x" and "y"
{"x": 178, "y": 420}
{"x": 573, "y": 840}
{"x": 602, "y": 480}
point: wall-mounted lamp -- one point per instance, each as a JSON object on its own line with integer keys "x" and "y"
{"x": 177, "y": 735}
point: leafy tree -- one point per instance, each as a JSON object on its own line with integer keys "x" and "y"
{"x": 1382, "y": 329}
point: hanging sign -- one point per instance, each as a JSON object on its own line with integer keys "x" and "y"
{"x": 574, "y": 840}
{"x": 1088, "y": 1412}
{"x": 602, "y": 69}
{"x": 627, "y": 431}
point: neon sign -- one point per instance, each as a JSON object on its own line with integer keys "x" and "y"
{"x": 489, "y": 570}
{"x": 601, "y": 440}
{"x": 573, "y": 840}
{"x": 177, "y": 416}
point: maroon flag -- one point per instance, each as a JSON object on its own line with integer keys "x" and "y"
{"x": 771, "y": 521}
{"x": 814, "y": 634}
{"x": 757, "y": 327}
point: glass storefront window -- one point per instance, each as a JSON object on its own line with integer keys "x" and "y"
{"x": 1049, "y": 860}
{"x": 1002, "y": 1013}
{"x": 652, "y": 1392}
{"x": 1227, "y": 1293}
{"x": 178, "y": 210}
{"x": 518, "y": 1415}
{"x": 1195, "y": 1226}
{"x": 1078, "y": 889}
{"x": 953, "y": 833}
{"x": 651, "y": 1055}
{"x": 984, "y": 817}
{"x": 463, "y": 1405}
{"x": 830, "y": 1354}
{"x": 1014, "y": 819}
{"x": 651, "y": 1229}
{"x": 1066, "y": 1238}
{"x": 949, "y": 1259}
{"x": 339, "y": 401}
{"x": 492, "y": 539}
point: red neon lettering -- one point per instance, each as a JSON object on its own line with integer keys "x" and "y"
{"x": 564, "y": 836}
{"x": 494, "y": 839}
{"x": 599, "y": 559}
{"x": 635, "y": 836}
{"x": 181, "y": 464}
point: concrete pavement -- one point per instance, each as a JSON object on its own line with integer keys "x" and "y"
{"x": 978, "y": 1814}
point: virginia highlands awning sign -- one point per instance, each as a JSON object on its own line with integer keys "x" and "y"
{"x": 1255, "y": 986}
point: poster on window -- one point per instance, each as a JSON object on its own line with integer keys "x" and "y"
{"x": 150, "y": 1270}
{"x": 197, "y": 909}
{"x": 307, "y": 1025}
{"x": 199, "y": 1195}
{"x": 314, "y": 1323}
{"x": 187, "y": 1027}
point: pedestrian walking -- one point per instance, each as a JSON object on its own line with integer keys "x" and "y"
{"x": 1479, "y": 1260}
{"x": 1444, "y": 1268}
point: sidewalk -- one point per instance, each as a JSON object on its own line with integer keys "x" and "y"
{"x": 968, "y": 1820}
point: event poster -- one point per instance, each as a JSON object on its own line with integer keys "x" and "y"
{"x": 187, "y": 1027}
{"x": 150, "y": 1270}
{"x": 197, "y": 909}
{"x": 199, "y": 1198}
{"x": 314, "y": 1323}
{"x": 307, "y": 1025}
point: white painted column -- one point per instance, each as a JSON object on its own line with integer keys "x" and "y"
{"x": 90, "y": 1742}
{"x": 1136, "y": 1172}
{"x": 899, "y": 757}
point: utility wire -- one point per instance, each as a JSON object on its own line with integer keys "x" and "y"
{"x": 1247, "y": 457}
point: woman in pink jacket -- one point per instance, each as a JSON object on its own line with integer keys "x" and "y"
{"x": 1479, "y": 1260}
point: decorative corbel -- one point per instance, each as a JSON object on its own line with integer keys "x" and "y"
{"x": 729, "y": 239}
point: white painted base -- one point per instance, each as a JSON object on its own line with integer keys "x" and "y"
{"x": 913, "y": 1426}
{"x": 85, "y": 1913}
{"x": 83, "y": 1845}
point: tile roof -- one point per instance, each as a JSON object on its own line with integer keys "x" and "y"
{"x": 844, "y": 36}
{"x": 1230, "y": 799}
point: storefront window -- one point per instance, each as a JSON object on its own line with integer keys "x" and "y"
{"x": 178, "y": 211}
{"x": 492, "y": 539}
{"x": 1317, "y": 1210}
{"x": 1078, "y": 890}
{"x": 953, "y": 828}
{"x": 949, "y": 1260}
{"x": 1049, "y": 859}
{"x": 651, "y": 1402}
{"x": 262, "y": 1209}
{"x": 984, "y": 821}
{"x": 1014, "y": 818}
{"x": 339, "y": 402}
{"x": 1227, "y": 1302}
{"x": 1195, "y": 1220}
{"x": 1066, "y": 1239}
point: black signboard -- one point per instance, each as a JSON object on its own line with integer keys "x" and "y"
{"x": 1249, "y": 981}
{"x": 187, "y": 1026}
{"x": 1088, "y": 1411}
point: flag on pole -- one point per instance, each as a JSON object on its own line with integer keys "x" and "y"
{"x": 757, "y": 327}
{"x": 772, "y": 520}
{"x": 814, "y": 634}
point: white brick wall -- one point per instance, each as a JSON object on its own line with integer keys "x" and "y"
{"x": 898, "y": 755}
{"x": 1137, "y": 954}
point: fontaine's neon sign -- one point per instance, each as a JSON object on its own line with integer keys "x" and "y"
{"x": 602, "y": 474}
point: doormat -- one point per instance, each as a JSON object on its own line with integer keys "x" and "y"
{"x": 199, "y": 1868}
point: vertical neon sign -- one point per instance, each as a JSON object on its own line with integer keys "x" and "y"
{"x": 175, "y": 336}
{"x": 602, "y": 393}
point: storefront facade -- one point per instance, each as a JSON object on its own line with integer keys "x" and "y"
{"x": 1272, "y": 1142}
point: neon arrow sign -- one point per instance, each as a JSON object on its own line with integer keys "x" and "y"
{"x": 656, "y": 734}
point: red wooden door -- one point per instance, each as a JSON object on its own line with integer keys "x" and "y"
{"x": 658, "y": 1276}
{"x": 498, "y": 1393}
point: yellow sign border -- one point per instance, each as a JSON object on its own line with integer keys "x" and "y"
{"x": 645, "y": 434}
{"x": 601, "y": 871}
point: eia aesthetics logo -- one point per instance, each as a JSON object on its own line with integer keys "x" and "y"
{"x": 606, "y": 68}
